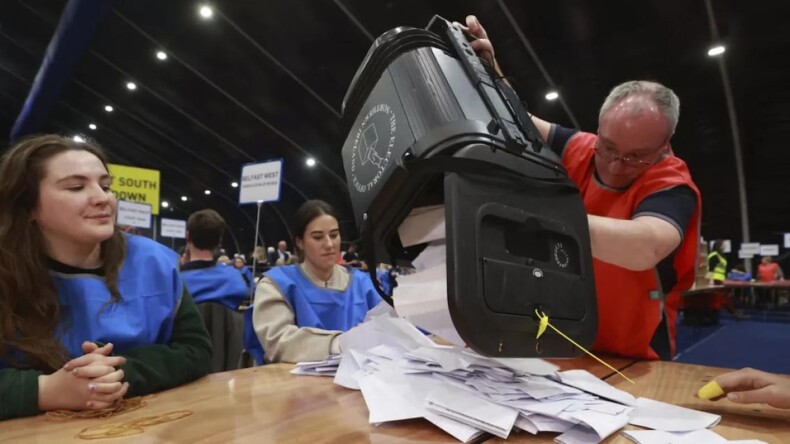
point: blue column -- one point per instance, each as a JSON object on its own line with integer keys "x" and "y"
{"x": 71, "y": 40}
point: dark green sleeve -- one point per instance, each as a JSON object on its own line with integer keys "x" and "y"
{"x": 18, "y": 393}
{"x": 153, "y": 368}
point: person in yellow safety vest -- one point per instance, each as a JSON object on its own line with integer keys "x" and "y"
{"x": 717, "y": 273}
{"x": 717, "y": 264}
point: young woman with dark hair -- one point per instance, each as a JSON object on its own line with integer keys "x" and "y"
{"x": 299, "y": 310}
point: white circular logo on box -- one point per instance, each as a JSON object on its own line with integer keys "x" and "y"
{"x": 373, "y": 144}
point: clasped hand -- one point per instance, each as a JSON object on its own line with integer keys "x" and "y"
{"x": 89, "y": 382}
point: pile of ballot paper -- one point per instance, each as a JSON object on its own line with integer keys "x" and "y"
{"x": 403, "y": 374}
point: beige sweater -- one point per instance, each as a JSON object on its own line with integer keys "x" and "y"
{"x": 275, "y": 322}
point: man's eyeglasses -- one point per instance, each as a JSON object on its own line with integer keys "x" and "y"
{"x": 632, "y": 161}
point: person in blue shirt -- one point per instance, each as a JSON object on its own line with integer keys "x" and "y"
{"x": 739, "y": 273}
{"x": 299, "y": 310}
{"x": 246, "y": 273}
{"x": 207, "y": 280}
{"x": 88, "y": 314}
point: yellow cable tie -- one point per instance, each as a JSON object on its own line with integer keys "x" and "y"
{"x": 544, "y": 322}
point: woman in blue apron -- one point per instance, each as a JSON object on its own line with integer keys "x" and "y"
{"x": 300, "y": 309}
{"x": 88, "y": 314}
{"x": 238, "y": 263}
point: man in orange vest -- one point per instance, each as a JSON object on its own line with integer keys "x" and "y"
{"x": 643, "y": 211}
{"x": 769, "y": 271}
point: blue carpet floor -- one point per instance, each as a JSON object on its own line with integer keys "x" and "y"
{"x": 752, "y": 343}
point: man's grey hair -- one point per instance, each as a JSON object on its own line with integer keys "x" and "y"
{"x": 665, "y": 98}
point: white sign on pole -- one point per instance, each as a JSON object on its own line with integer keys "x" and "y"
{"x": 260, "y": 182}
{"x": 173, "y": 228}
{"x": 726, "y": 246}
{"x": 769, "y": 250}
{"x": 134, "y": 214}
{"x": 745, "y": 255}
{"x": 787, "y": 240}
{"x": 751, "y": 247}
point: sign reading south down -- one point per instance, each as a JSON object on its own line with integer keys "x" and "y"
{"x": 134, "y": 184}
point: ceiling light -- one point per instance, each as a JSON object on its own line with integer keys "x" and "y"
{"x": 310, "y": 162}
{"x": 108, "y": 108}
{"x": 207, "y": 192}
{"x": 77, "y": 138}
{"x": 165, "y": 204}
{"x": 552, "y": 95}
{"x": 131, "y": 86}
{"x": 234, "y": 184}
{"x": 184, "y": 198}
{"x": 92, "y": 126}
{"x": 161, "y": 55}
{"x": 716, "y": 50}
{"x": 206, "y": 12}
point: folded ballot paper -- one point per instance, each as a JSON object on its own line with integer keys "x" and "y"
{"x": 421, "y": 297}
{"x": 327, "y": 367}
{"x": 696, "y": 437}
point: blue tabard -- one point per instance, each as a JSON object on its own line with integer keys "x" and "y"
{"x": 150, "y": 288}
{"x": 221, "y": 284}
{"x": 325, "y": 308}
{"x": 385, "y": 280}
{"x": 248, "y": 278}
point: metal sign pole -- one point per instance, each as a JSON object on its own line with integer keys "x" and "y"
{"x": 255, "y": 245}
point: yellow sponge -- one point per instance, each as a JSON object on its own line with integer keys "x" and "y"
{"x": 710, "y": 390}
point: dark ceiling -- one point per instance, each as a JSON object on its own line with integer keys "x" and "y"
{"x": 265, "y": 79}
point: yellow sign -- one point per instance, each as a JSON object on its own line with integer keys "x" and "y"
{"x": 136, "y": 185}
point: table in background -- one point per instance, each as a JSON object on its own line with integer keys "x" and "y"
{"x": 732, "y": 286}
{"x": 774, "y": 288}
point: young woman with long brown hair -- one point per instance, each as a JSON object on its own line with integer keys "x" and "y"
{"x": 88, "y": 314}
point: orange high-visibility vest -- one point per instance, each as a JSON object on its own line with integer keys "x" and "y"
{"x": 630, "y": 303}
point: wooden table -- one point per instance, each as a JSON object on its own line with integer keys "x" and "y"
{"x": 591, "y": 365}
{"x": 267, "y": 404}
{"x": 260, "y": 405}
{"x": 677, "y": 383}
